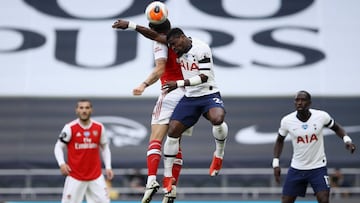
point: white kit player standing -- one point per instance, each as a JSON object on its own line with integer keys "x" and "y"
{"x": 308, "y": 164}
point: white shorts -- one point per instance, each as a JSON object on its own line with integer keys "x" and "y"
{"x": 94, "y": 190}
{"x": 165, "y": 106}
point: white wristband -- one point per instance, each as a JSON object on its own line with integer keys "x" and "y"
{"x": 275, "y": 162}
{"x": 195, "y": 80}
{"x": 347, "y": 139}
{"x": 180, "y": 83}
{"x": 131, "y": 25}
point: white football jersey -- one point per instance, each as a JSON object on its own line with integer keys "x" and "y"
{"x": 198, "y": 60}
{"x": 307, "y": 138}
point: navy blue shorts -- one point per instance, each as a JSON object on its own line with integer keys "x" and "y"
{"x": 297, "y": 181}
{"x": 189, "y": 109}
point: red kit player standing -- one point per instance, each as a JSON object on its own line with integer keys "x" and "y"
{"x": 84, "y": 139}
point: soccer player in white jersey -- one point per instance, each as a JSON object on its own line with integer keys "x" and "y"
{"x": 166, "y": 69}
{"x": 202, "y": 97}
{"x": 84, "y": 139}
{"x": 308, "y": 164}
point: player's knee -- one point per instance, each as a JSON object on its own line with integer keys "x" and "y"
{"x": 176, "y": 129}
{"x": 288, "y": 199}
{"x": 216, "y": 119}
{"x": 322, "y": 197}
{"x": 173, "y": 134}
{"x": 217, "y": 122}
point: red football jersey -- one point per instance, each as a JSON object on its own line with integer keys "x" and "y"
{"x": 84, "y": 150}
{"x": 172, "y": 69}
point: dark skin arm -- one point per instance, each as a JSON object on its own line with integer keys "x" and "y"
{"x": 171, "y": 85}
{"x": 146, "y": 32}
{"x": 340, "y": 132}
{"x": 279, "y": 145}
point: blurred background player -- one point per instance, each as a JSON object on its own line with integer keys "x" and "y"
{"x": 84, "y": 139}
{"x": 202, "y": 98}
{"x": 308, "y": 164}
{"x": 166, "y": 69}
{"x": 337, "y": 180}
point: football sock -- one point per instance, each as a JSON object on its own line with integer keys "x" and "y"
{"x": 220, "y": 133}
{"x": 153, "y": 157}
{"x": 171, "y": 148}
{"x": 177, "y": 166}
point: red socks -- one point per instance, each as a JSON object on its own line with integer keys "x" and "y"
{"x": 153, "y": 157}
{"x": 177, "y": 166}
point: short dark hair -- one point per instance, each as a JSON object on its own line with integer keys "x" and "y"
{"x": 175, "y": 32}
{"x": 161, "y": 28}
{"x": 305, "y": 92}
{"x": 84, "y": 100}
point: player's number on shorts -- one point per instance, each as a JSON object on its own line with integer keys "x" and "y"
{"x": 218, "y": 100}
{"x": 326, "y": 178}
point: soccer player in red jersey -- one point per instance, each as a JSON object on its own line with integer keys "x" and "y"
{"x": 84, "y": 139}
{"x": 166, "y": 69}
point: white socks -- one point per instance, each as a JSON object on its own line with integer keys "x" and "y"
{"x": 220, "y": 133}
{"x": 171, "y": 148}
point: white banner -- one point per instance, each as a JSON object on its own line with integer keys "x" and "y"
{"x": 261, "y": 47}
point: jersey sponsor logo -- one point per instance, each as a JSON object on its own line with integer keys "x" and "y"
{"x": 87, "y": 140}
{"x": 189, "y": 66}
{"x": 123, "y": 131}
{"x": 86, "y": 145}
{"x": 306, "y": 139}
{"x": 250, "y": 135}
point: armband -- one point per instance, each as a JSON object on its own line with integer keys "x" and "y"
{"x": 347, "y": 139}
{"x": 275, "y": 162}
{"x": 195, "y": 80}
{"x": 131, "y": 25}
{"x": 180, "y": 83}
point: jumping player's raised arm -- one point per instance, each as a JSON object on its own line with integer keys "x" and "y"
{"x": 146, "y": 32}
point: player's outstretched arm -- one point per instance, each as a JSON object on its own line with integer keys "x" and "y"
{"x": 340, "y": 132}
{"x": 121, "y": 24}
{"x": 146, "y": 32}
{"x": 160, "y": 65}
{"x": 137, "y": 91}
